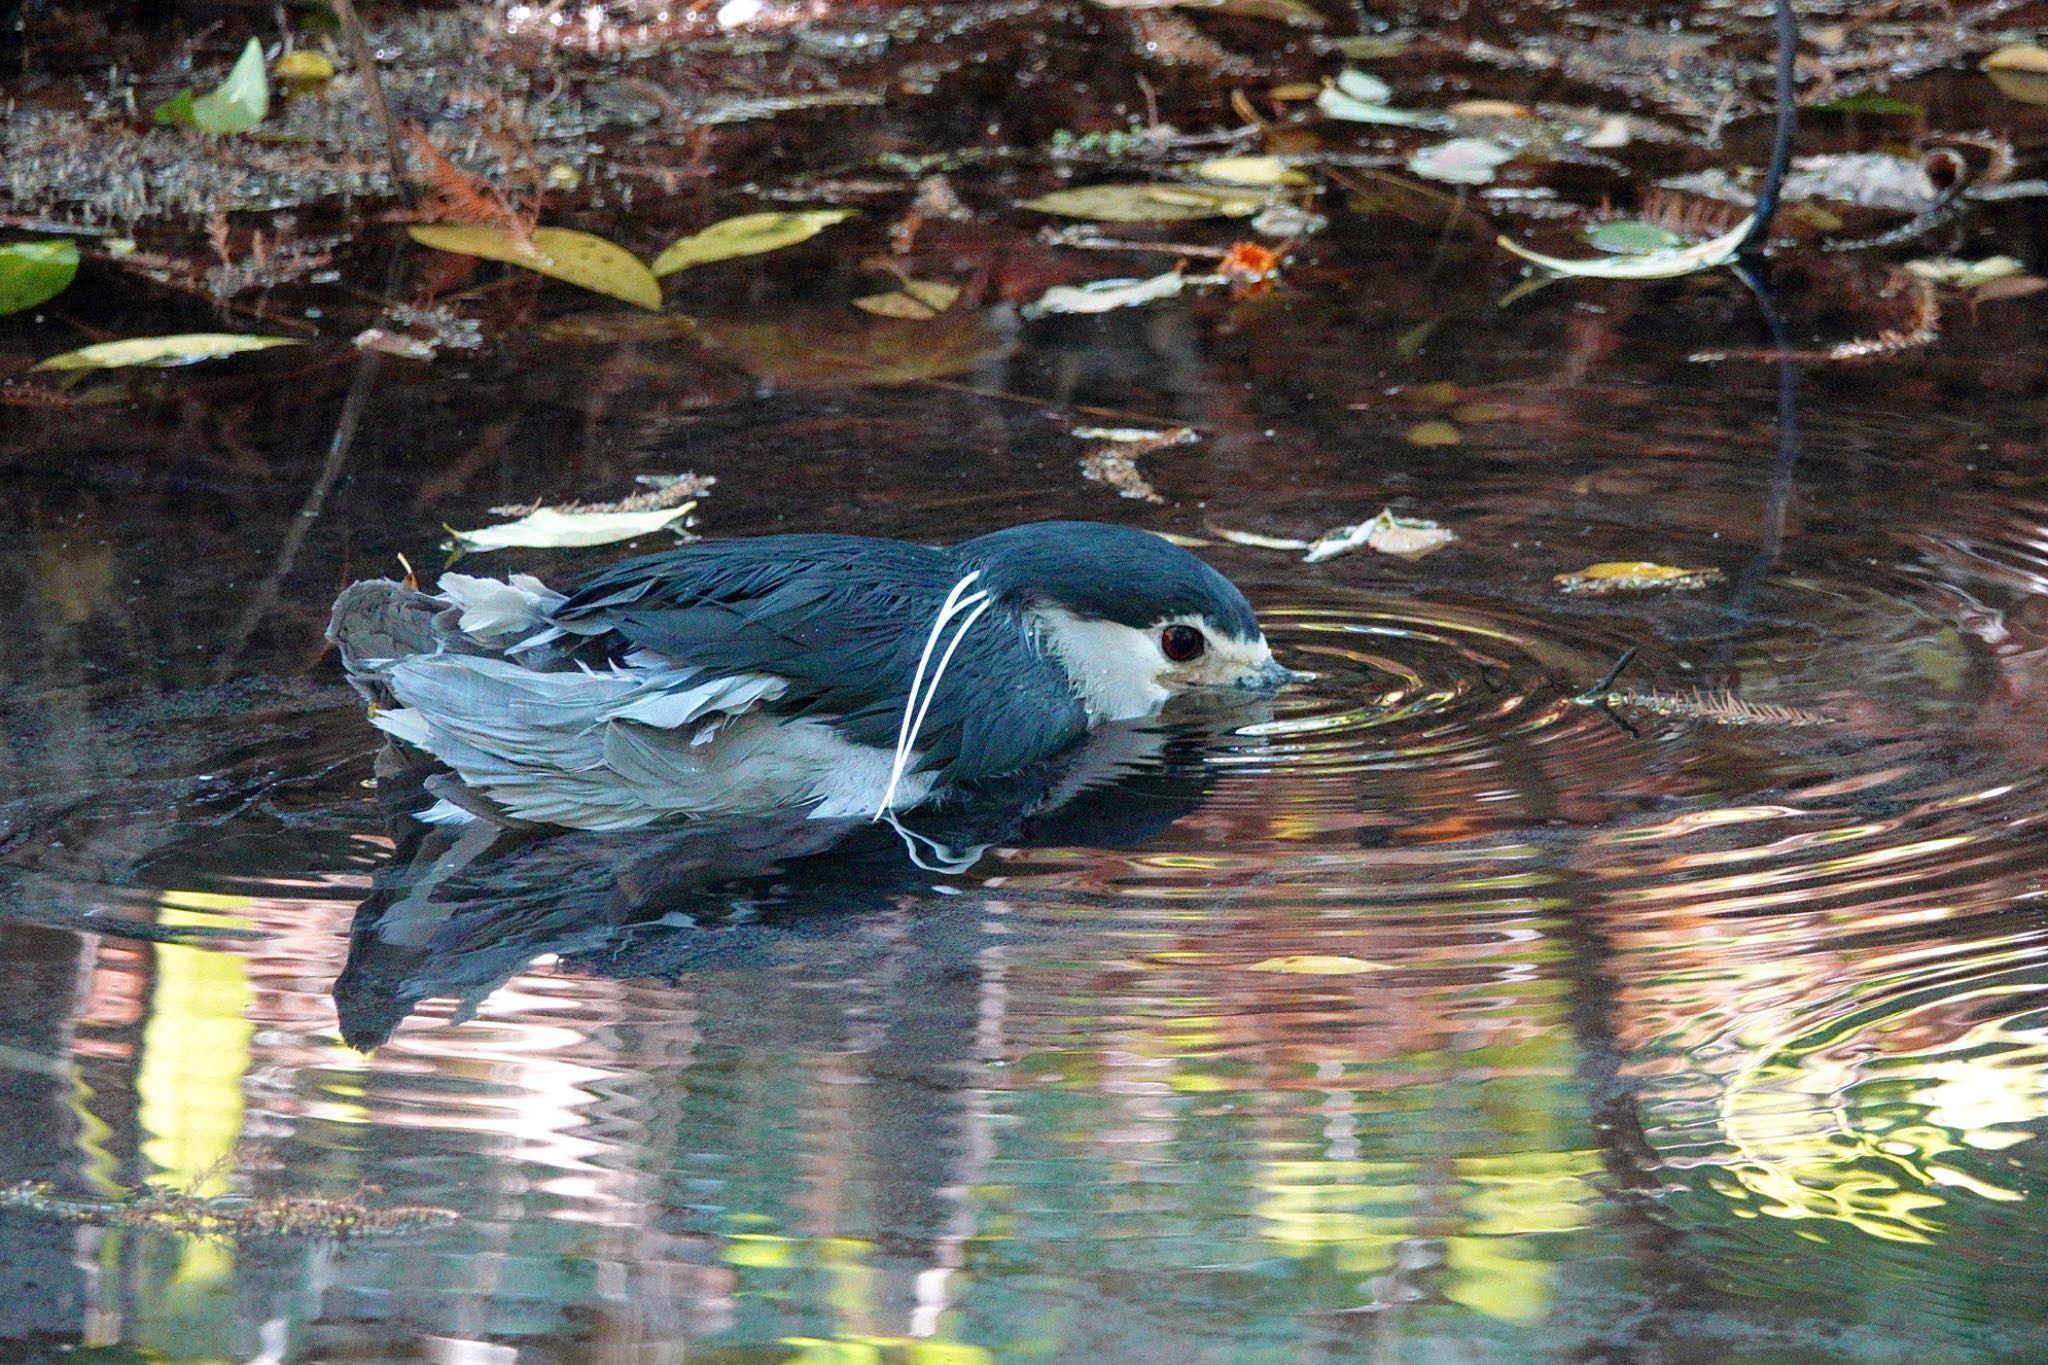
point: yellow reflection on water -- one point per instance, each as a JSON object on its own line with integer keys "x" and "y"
{"x": 1486, "y": 1212}
{"x": 1813, "y": 1142}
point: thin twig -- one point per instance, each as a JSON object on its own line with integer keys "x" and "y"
{"x": 373, "y": 86}
{"x": 1781, "y": 141}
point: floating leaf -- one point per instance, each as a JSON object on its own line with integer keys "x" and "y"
{"x": 1250, "y": 170}
{"x": 1658, "y": 265}
{"x": 1153, "y": 203}
{"x": 1317, "y": 964}
{"x": 1257, "y": 541}
{"x": 1408, "y": 537}
{"x": 240, "y": 103}
{"x": 2020, "y": 72}
{"x": 1634, "y": 239}
{"x": 1363, "y": 85}
{"x": 35, "y": 272}
{"x": 564, "y": 254}
{"x": 1437, "y": 433}
{"x": 1461, "y": 161}
{"x": 1964, "y": 274}
{"x": 162, "y": 352}
{"x": 750, "y": 234}
{"x": 1103, "y": 296}
{"x": 1634, "y": 575}
{"x": 917, "y": 300}
{"x": 1491, "y": 109}
{"x": 302, "y": 69}
{"x": 549, "y": 528}
{"x": 1337, "y": 105}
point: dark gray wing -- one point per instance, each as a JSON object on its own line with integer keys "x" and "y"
{"x": 844, "y": 619}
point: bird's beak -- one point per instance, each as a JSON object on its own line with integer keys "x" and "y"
{"x": 1270, "y": 676}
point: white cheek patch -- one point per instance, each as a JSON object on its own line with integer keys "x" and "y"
{"x": 1115, "y": 669}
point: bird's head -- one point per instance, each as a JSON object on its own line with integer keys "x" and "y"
{"x": 1132, "y": 619}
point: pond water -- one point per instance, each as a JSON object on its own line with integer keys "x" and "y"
{"x": 1430, "y": 1014}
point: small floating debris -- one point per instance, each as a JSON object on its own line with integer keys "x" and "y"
{"x": 1634, "y": 575}
{"x": 1114, "y": 460}
{"x": 1408, "y": 537}
{"x": 1104, "y": 296}
{"x": 669, "y": 499}
{"x": 225, "y": 1217}
{"x": 1716, "y": 708}
{"x": 1720, "y": 707}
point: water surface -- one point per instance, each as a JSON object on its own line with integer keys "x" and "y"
{"x": 1640, "y": 1036}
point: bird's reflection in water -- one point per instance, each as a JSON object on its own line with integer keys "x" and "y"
{"x": 462, "y": 909}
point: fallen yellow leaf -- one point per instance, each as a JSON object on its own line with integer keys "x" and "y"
{"x": 187, "y": 348}
{"x": 1634, "y": 575}
{"x": 750, "y": 234}
{"x": 564, "y": 254}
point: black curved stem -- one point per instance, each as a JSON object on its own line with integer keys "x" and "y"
{"x": 1781, "y": 141}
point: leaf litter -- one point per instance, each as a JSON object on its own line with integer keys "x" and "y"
{"x": 578, "y": 258}
{"x": 1404, "y": 537}
{"x": 1634, "y": 575}
{"x": 1113, "y": 460}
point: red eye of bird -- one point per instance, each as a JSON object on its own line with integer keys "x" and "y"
{"x": 1182, "y": 644}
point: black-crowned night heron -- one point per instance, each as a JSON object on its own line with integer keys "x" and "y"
{"x": 848, "y": 675}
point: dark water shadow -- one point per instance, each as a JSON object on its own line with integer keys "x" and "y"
{"x": 461, "y": 909}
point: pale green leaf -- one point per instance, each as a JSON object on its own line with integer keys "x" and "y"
{"x": 1633, "y": 239}
{"x": 1658, "y": 265}
{"x": 1338, "y": 105}
{"x": 162, "y": 352}
{"x": 34, "y": 272}
{"x": 1250, "y": 170}
{"x": 1151, "y": 203}
{"x": 242, "y": 100}
{"x": 750, "y": 234}
{"x": 564, "y": 254}
{"x": 548, "y": 529}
